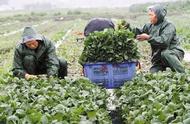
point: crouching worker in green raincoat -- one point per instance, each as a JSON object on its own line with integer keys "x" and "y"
{"x": 161, "y": 34}
{"x": 35, "y": 55}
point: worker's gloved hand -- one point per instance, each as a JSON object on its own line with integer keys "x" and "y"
{"x": 28, "y": 76}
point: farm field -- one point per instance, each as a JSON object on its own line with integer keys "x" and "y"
{"x": 148, "y": 99}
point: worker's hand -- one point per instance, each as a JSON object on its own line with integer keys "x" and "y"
{"x": 28, "y": 76}
{"x": 143, "y": 37}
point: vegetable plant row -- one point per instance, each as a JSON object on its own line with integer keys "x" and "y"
{"x": 160, "y": 98}
{"x": 52, "y": 100}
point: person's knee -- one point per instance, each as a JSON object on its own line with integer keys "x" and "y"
{"x": 62, "y": 63}
{"x": 165, "y": 54}
{"x": 62, "y": 68}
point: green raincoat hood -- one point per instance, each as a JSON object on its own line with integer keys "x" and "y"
{"x": 160, "y": 12}
{"x": 29, "y": 34}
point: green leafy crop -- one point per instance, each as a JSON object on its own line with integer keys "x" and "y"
{"x": 159, "y": 98}
{"x": 109, "y": 46}
{"x": 45, "y": 101}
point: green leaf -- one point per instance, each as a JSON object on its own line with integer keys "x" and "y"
{"x": 186, "y": 121}
{"x": 20, "y": 113}
{"x": 44, "y": 120}
{"x": 12, "y": 119}
{"x": 91, "y": 115}
{"x": 139, "y": 120}
{"x": 35, "y": 117}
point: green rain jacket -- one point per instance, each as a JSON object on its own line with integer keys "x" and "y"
{"x": 162, "y": 35}
{"x": 45, "y": 53}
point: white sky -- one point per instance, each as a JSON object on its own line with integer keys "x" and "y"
{"x": 18, "y": 4}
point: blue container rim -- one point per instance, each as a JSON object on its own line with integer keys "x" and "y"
{"x": 103, "y": 63}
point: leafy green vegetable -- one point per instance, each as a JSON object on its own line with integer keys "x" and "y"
{"x": 52, "y": 101}
{"x": 109, "y": 46}
{"x": 156, "y": 98}
{"x": 122, "y": 24}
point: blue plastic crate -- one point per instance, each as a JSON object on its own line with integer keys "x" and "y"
{"x": 110, "y": 75}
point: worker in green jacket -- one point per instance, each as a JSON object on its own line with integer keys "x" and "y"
{"x": 161, "y": 34}
{"x": 35, "y": 55}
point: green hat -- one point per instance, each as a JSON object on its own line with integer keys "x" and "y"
{"x": 29, "y": 34}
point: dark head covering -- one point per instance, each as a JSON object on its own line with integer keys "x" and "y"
{"x": 29, "y": 34}
{"x": 160, "y": 12}
{"x": 98, "y": 24}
